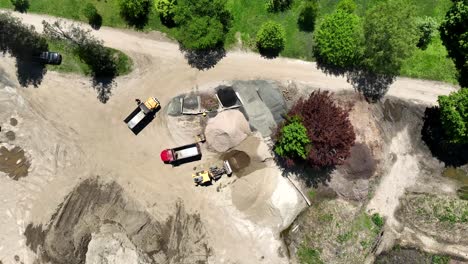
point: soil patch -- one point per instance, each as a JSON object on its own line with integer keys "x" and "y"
{"x": 360, "y": 164}
{"x": 14, "y": 162}
{"x": 95, "y": 203}
{"x": 456, "y": 174}
{"x": 10, "y": 135}
{"x": 237, "y": 159}
{"x": 408, "y": 255}
{"x": 13, "y": 121}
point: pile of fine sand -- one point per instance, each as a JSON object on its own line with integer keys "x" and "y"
{"x": 226, "y": 130}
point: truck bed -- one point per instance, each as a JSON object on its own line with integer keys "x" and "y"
{"x": 136, "y": 119}
{"x": 186, "y": 151}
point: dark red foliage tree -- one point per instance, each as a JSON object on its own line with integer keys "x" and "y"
{"x": 328, "y": 127}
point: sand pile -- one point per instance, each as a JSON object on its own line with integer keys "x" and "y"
{"x": 227, "y": 130}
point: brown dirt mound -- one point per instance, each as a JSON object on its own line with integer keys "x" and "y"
{"x": 95, "y": 203}
{"x": 237, "y": 159}
{"x": 227, "y": 130}
{"x": 14, "y": 162}
{"x": 360, "y": 164}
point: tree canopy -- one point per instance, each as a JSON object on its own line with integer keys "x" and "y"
{"x": 454, "y": 34}
{"x": 328, "y": 128}
{"x": 135, "y": 12}
{"x": 165, "y": 9}
{"x": 271, "y": 38}
{"x": 339, "y": 40}
{"x": 390, "y": 36}
{"x": 293, "y": 142}
{"x": 454, "y": 115}
{"x": 307, "y": 15}
{"x": 278, "y": 5}
{"x": 203, "y": 24}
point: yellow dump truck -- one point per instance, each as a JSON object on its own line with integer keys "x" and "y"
{"x": 143, "y": 110}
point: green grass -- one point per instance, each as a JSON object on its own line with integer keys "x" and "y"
{"x": 71, "y": 63}
{"x": 250, "y": 14}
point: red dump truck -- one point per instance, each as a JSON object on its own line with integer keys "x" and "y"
{"x": 181, "y": 154}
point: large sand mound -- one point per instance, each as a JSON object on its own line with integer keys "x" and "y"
{"x": 227, "y": 130}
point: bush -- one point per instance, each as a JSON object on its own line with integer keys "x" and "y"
{"x": 348, "y": 6}
{"x": 278, "y": 5}
{"x": 308, "y": 255}
{"x": 293, "y": 142}
{"x": 338, "y": 40}
{"x": 454, "y": 115}
{"x": 271, "y": 38}
{"x": 378, "y": 220}
{"x": 203, "y": 24}
{"x": 91, "y": 13}
{"x": 427, "y": 27}
{"x": 328, "y": 128}
{"x": 165, "y": 9}
{"x": 453, "y": 33}
{"x": 20, "y": 5}
{"x": 307, "y": 15}
{"x": 135, "y": 12}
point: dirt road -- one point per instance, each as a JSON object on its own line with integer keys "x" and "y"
{"x": 70, "y": 135}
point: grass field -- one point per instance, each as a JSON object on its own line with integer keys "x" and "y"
{"x": 71, "y": 63}
{"x": 250, "y": 14}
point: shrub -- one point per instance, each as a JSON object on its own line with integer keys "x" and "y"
{"x": 165, "y": 9}
{"x": 328, "y": 128}
{"x": 308, "y": 255}
{"x": 338, "y": 40}
{"x": 20, "y": 5}
{"x": 91, "y": 13}
{"x": 427, "y": 27}
{"x": 454, "y": 115}
{"x": 271, "y": 38}
{"x": 307, "y": 15}
{"x": 293, "y": 142}
{"x": 348, "y": 6}
{"x": 135, "y": 12}
{"x": 378, "y": 220}
{"x": 453, "y": 32}
{"x": 203, "y": 24}
{"x": 278, "y": 5}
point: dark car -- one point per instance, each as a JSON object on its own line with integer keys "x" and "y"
{"x": 49, "y": 57}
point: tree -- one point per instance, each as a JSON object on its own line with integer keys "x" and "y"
{"x": 135, "y": 12}
{"x": 278, "y": 5}
{"x": 165, "y": 9}
{"x": 454, "y": 115}
{"x": 339, "y": 40}
{"x": 91, "y": 13}
{"x": 328, "y": 128}
{"x": 454, "y": 34}
{"x": 271, "y": 39}
{"x": 203, "y": 24}
{"x": 88, "y": 48}
{"x": 390, "y": 36}
{"x": 427, "y": 27}
{"x": 307, "y": 15}
{"x": 20, "y": 5}
{"x": 293, "y": 142}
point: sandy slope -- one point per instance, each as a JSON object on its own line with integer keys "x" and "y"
{"x": 79, "y": 132}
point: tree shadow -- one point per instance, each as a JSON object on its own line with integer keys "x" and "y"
{"x": 331, "y": 69}
{"x": 167, "y": 21}
{"x": 372, "y": 85}
{"x": 269, "y": 53}
{"x": 103, "y": 87}
{"x": 434, "y": 136}
{"x": 96, "y": 22}
{"x": 138, "y": 22}
{"x": 21, "y": 6}
{"x": 29, "y": 72}
{"x": 312, "y": 177}
{"x": 203, "y": 59}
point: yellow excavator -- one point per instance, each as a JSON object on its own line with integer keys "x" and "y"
{"x": 214, "y": 173}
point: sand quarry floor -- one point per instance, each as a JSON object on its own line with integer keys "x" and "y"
{"x": 65, "y": 147}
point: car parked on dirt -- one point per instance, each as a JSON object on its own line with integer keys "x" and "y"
{"x": 50, "y": 57}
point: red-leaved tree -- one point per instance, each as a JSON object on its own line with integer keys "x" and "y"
{"x": 328, "y": 128}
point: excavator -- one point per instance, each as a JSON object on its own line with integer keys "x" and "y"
{"x": 214, "y": 173}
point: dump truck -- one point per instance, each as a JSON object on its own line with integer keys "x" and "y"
{"x": 143, "y": 109}
{"x": 180, "y": 154}
{"x": 206, "y": 177}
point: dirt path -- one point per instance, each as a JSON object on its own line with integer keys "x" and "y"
{"x": 70, "y": 135}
